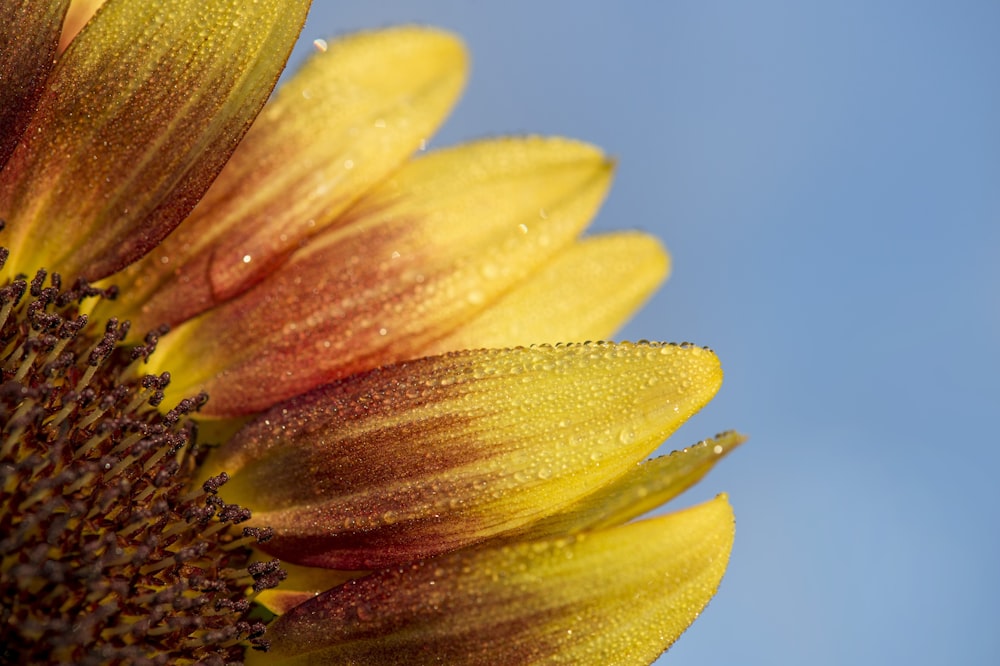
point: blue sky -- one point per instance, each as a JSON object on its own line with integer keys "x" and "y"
{"x": 827, "y": 178}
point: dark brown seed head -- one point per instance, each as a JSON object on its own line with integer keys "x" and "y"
{"x": 107, "y": 554}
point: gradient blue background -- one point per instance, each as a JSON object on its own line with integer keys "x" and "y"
{"x": 827, "y": 178}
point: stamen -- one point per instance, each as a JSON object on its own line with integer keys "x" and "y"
{"x": 105, "y": 550}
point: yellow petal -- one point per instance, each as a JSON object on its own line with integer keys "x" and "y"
{"x": 586, "y": 292}
{"x": 351, "y": 116}
{"x": 29, "y": 34}
{"x": 644, "y": 488}
{"x": 140, "y": 114}
{"x": 433, "y": 246}
{"x": 614, "y": 597}
{"x": 435, "y": 454}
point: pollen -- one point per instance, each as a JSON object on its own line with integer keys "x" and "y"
{"x": 107, "y": 552}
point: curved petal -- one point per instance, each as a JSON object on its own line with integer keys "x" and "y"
{"x": 29, "y": 35}
{"x": 346, "y": 120}
{"x": 618, "y": 596}
{"x": 644, "y": 488}
{"x": 423, "y": 457}
{"x": 140, "y": 114}
{"x": 80, "y": 11}
{"x": 586, "y": 292}
{"x": 437, "y": 243}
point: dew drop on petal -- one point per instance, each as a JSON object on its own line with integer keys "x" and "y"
{"x": 626, "y": 436}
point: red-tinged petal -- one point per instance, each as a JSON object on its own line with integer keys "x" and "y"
{"x": 29, "y": 34}
{"x": 613, "y": 597}
{"x": 586, "y": 292}
{"x": 423, "y": 457}
{"x": 139, "y": 115}
{"x": 345, "y": 121}
{"x": 433, "y": 246}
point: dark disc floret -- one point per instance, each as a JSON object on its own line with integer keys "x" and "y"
{"x": 107, "y": 553}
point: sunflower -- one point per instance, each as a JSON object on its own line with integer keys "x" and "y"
{"x": 329, "y": 443}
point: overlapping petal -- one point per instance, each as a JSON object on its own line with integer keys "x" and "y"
{"x": 346, "y": 120}
{"x": 422, "y": 457}
{"x": 617, "y": 596}
{"x": 29, "y": 35}
{"x": 644, "y": 488}
{"x": 302, "y": 584}
{"x": 431, "y": 247}
{"x": 139, "y": 115}
{"x": 586, "y": 292}
{"x": 80, "y": 11}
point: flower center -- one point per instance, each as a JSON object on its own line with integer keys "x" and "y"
{"x": 107, "y": 554}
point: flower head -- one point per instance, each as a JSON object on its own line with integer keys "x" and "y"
{"x": 332, "y": 414}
